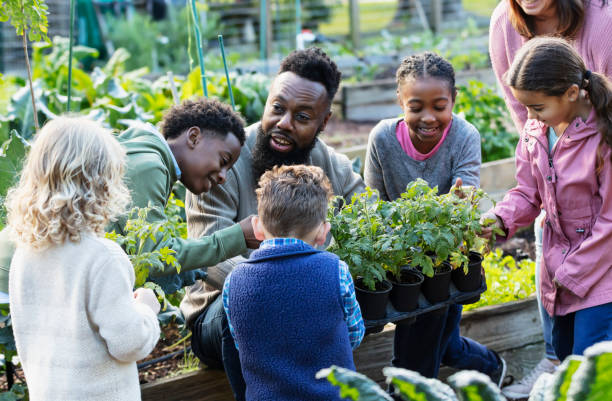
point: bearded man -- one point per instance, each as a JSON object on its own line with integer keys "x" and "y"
{"x": 296, "y": 112}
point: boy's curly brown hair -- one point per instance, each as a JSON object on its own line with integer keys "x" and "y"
{"x": 292, "y": 200}
{"x": 208, "y": 114}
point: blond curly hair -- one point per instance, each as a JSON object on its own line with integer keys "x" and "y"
{"x": 72, "y": 183}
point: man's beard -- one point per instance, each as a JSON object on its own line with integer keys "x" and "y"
{"x": 264, "y": 157}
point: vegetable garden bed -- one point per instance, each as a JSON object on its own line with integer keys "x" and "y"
{"x": 375, "y": 100}
{"x": 502, "y": 327}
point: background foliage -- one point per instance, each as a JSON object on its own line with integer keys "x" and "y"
{"x": 487, "y": 111}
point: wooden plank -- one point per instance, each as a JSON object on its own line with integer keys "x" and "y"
{"x": 203, "y": 385}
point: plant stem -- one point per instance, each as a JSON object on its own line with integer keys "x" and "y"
{"x": 27, "y": 60}
{"x": 70, "y": 53}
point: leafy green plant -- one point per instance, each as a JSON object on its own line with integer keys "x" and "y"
{"x": 487, "y": 111}
{"x": 359, "y": 237}
{"x": 29, "y": 17}
{"x": 420, "y": 228}
{"x": 579, "y": 378}
{"x": 19, "y": 392}
{"x": 164, "y": 45}
{"x": 411, "y": 386}
{"x": 137, "y": 232}
{"x": 12, "y": 154}
{"x": 507, "y": 280}
{"x": 250, "y": 91}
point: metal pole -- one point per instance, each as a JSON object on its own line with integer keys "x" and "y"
{"x": 263, "y": 25}
{"x": 70, "y": 44}
{"x": 354, "y": 23}
{"x": 298, "y": 20}
{"x": 198, "y": 35}
{"x": 436, "y": 13}
{"x": 227, "y": 77}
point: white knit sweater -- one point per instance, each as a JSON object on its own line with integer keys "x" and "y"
{"x": 77, "y": 328}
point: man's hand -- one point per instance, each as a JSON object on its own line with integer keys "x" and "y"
{"x": 249, "y": 235}
{"x": 490, "y": 222}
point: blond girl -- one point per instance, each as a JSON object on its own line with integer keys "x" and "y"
{"x": 78, "y": 326}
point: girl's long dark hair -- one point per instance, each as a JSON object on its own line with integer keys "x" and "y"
{"x": 552, "y": 66}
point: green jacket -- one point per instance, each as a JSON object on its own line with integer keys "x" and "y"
{"x": 150, "y": 177}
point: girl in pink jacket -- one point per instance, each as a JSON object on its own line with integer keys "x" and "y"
{"x": 564, "y": 163}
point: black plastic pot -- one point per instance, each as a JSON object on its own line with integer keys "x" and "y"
{"x": 437, "y": 288}
{"x": 473, "y": 279}
{"x": 373, "y": 304}
{"x": 405, "y": 293}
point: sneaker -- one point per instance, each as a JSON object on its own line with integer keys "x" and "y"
{"x": 497, "y": 376}
{"x": 522, "y": 388}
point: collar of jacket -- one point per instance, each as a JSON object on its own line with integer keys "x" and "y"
{"x": 577, "y": 130}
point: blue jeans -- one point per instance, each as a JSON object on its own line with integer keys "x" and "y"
{"x": 214, "y": 345}
{"x": 545, "y": 318}
{"x": 574, "y": 332}
{"x": 434, "y": 338}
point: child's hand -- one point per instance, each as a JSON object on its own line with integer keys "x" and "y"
{"x": 147, "y": 296}
{"x": 490, "y": 223}
{"x": 458, "y": 190}
{"x": 557, "y": 284}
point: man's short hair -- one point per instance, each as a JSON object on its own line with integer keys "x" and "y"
{"x": 292, "y": 200}
{"x": 314, "y": 65}
{"x": 207, "y": 114}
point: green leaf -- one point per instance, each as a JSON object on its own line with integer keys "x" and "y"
{"x": 353, "y": 385}
{"x": 11, "y": 161}
{"x": 475, "y": 386}
{"x": 412, "y": 386}
{"x": 592, "y": 379}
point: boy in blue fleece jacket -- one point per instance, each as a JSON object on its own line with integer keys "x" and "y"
{"x": 291, "y": 308}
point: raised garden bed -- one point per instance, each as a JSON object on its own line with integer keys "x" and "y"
{"x": 502, "y": 327}
{"x": 376, "y": 100}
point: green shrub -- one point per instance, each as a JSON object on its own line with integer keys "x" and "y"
{"x": 165, "y": 45}
{"x": 507, "y": 280}
{"x": 487, "y": 111}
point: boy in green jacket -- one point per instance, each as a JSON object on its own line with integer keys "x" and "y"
{"x": 201, "y": 141}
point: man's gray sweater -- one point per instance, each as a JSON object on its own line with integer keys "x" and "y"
{"x": 235, "y": 200}
{"x": 389, "y": 169}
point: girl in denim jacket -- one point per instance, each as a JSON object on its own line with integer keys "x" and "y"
{"x": 563, "y": 162}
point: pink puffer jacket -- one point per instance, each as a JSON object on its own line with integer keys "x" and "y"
{"x": 577, "y": 242}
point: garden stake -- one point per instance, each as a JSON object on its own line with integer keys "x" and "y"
{"x": 175, "y": 96}
{"x": 262, "y": 29}
{"x": 196, "y": 23}
{"x": 227, "y": 77}
{"x": 298, "y": 20}
{"x": 70, "y": 53}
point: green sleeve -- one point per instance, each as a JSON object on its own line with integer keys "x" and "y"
{"x": 152, "y": 188}
{"x": 206, "y": 251}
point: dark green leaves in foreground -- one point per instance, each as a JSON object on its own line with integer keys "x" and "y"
{"x": 353, "y": 386}
{"x": 587, "y": 378}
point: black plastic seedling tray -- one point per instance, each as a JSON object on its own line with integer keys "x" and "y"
{"x": 424, "y": 306}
